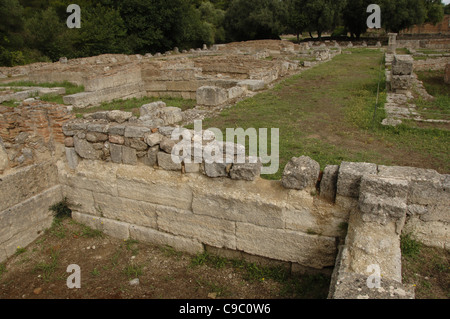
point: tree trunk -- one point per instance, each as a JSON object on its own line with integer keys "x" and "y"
{"x": 310, "y": 34}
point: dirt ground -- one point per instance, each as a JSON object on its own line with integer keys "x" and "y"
{"x": 108, "y": 266}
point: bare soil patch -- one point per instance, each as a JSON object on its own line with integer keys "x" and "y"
{"x": 107, "y": 265}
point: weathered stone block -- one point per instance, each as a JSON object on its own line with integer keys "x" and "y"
{"x": 129, "y": 156}
{"x": 86, "y": 150}
{"x": 212, "y": 231}
{"x": 239, "y": 206}
{"x": 211, "y": 95}
{"x": 116, "y": 153}
{"x": 253, "y": 85}
{"x": 248, "y": 171}
{"x": 154, "y": 186}
{"x": 300, "y": 173}
{"x": 402, "y": 65}
{"x": 136, "y": 131}
{"x": 119, "y": 116}
{"x": 328, "y": 184}
{"x": 349, "y": 178}
{"x": 126, "y": 210}
{"x": 308, "y": 250}
{"x": 401, "y": 82}
{"x": 149, "y": 235}
{"x": 71, "y": 156}
{"x": 166, "y": 162}
{"x": 153, "y": 139}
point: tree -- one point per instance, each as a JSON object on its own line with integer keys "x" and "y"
{"x": 435, "y": 11}
{"x": 297, "y": 17}
{"x": 397, "y": 15}
{"x": 323, "y": 15}
{"x": 256, "y": 19}
{"x": 45, "y": 32}
{"x": 355, "y": 16}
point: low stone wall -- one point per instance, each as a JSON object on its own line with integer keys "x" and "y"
{"x": 432, "y": 63}
{"x": 25, "y": 197}
{"x": 188, "y": 211}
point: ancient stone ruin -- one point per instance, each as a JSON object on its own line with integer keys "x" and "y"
{"x": 122, "y": 176}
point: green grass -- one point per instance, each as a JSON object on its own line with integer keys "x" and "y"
{"x": 48, "y": 268}
{"x": 328, "y": 113}
{"x": 409, "y": 246}
{"x": 133, "y": 271}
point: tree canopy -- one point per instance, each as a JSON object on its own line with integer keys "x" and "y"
{"x": 36, "y": 30}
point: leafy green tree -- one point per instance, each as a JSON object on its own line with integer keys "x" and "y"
{"x": 102, "y": 31}
{"x": 355, "y": 16}
{"x": 397, "y": 15}
{"x": 11, "y": 24}
{"x": 298, "y": 19}
{"x": 435, "y": 11}
{"x": 257, "y": 19}
{"x": 214, "y": 17}
{"x": 46, "y": 33}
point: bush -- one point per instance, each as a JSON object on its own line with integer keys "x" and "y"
{"x": 61, "y": 209}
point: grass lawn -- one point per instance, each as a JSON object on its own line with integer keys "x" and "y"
{"x": 327, "y": 113}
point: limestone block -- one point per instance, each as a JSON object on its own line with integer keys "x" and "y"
{"x": 137, "y": 143}
{"x": 136, "y": 131}
{"x": 86, "y": 150}
{"x": 252, "y": 85}
{"x": 328, "y": 184}
{"x": 126, "y": 210}
{"x": 119, "y": 116}
{"x": 151, "y": 108}
{"x": 349, "y": 178}
{"x": 129, "y": 156}
{"x": 286, "y": 245}
{"x": 248, "y": 171}
{"x": 72, "y": 157}
{"x": 235, "y": 92}
{"x": 212, "y": 231}
{"x": 149, "y": 235}
{"x": 371, "y": 243}
{"x": 153, "y": 139}
{"x": 401, "y": 82}
{"x": 95, "y": 176}
{"x": 154, "y": 186}
{"x": 300, "y": 173}
{"x": 212, "y": 199}
{"x": 116, "y": 153}
{"x": 166, "y": 162}
{"x": 211, "y": 95}
{"x": 402, "y": 65}
{"x": 217, "y": 169}
{"x": 116, "y": 129}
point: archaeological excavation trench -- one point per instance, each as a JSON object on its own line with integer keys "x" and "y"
{"x": 120, "y": 177}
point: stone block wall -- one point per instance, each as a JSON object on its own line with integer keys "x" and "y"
{"x": 25, "y": 197}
